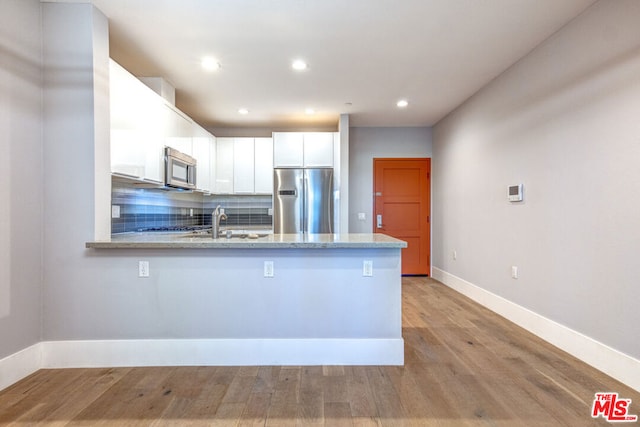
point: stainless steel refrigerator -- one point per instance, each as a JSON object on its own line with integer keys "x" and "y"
{"x": 303, "y": 200}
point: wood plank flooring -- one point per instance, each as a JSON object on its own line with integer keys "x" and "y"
{"x": 464, "y": 366}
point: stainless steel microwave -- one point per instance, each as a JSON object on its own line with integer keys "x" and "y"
{"x": 180, "y": 169}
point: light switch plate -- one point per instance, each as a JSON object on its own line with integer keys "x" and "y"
{"x": 115, "y": 211}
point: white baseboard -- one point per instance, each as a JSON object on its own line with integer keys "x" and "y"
{"x": 222, "y": 352}
{"x": 199, "y": 352}
{"x": 612, "y": 362}
{"x": 19, "y": 365}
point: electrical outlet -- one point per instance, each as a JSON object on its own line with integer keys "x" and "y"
{"x": 367, "y": 268}
{"x": 268, "y": 269}
{"x": 143, "y": 268}
{"x": 514, "y": 271}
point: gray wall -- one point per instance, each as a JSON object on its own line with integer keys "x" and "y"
{"x": 20, "y": 175}
{"x": 76, "y": 124}
{"x": 367, "y": 144}
{"x": 565, "y": 122}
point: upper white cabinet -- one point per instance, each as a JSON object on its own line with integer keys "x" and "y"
{"x": 298, "y": 149}
{"x": 213, "y": 155}
{"x": 248, "y": 161}
{"x": 243, "y": 166}
{"x": 224, "y": 165}
{"x": 288, "y": 150}
{"x": 318, "y": 149}
{"x": 136, "y": 137}
{"x": 143, "y": 123}
{"x": 263, "y": 165}
{"x": 203, "y": 143}
{"x": 178, "y": 129}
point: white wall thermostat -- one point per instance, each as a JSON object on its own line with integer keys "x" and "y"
{"x": 514, "y": 193}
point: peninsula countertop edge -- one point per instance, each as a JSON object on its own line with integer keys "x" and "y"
{"x": 155, "y": 240}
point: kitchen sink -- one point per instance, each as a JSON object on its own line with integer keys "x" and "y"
{"x": 207, "y": 235}
{"x": 246, "y": 236}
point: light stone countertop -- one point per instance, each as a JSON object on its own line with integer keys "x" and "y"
{"x": 159, "y": 240}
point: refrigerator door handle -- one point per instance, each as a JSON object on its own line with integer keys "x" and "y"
{"x": 303, "y": 205}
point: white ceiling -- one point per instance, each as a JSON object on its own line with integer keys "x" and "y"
{"x": 370, "y": 53}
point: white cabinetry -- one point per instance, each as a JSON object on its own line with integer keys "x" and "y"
{"x": 142, "y": 124}
{"x": 318, "y": 149}
{"x": 224, "y": 165}
{"x": 203, "y": 143}
{"x": 288, "y": 149}
{"x": 136, "y": 134}
{"x": 178, "y": 130}
{"x": 243, "y": 166}
{"x": 263, "y": 166}
{"x": 298, "y": 149}
{"x": 213, "y": 155}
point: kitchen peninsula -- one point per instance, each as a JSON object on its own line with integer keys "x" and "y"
{"x": 279, "y": 299}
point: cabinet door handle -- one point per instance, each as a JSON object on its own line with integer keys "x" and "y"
{"x": 379, "y": 221}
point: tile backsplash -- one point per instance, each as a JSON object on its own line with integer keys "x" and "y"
{"x": 242, "y": 210}
{"x": 144, "y": 209}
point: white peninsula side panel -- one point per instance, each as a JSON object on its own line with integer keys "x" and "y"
{"x": 214, "y": 306}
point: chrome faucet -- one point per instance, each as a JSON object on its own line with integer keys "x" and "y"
{"x": 216, "y": 216}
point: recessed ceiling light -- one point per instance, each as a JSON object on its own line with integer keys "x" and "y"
{"x": 243, "y": 111}
{"x": 309, "y": 111}
{"x": 209, "y": 64}
{"x": 299, "y": 65}
{"x": 402, "y": 103}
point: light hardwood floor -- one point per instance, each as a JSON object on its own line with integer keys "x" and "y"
{"x": 464, "y": 366}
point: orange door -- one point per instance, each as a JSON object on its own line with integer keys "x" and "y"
{"x": 402, "y": 205}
